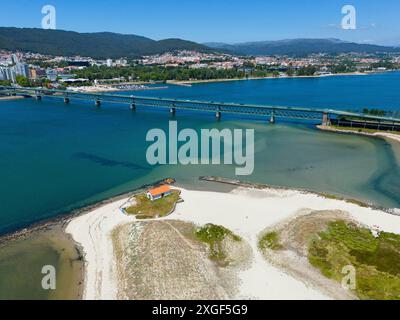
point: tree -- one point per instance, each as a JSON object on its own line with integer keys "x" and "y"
{"x": 290, "y": 72}
{"x": 307, "y": 71}
{"x": 5, "y": 83}
{"x": 23, "y": 81}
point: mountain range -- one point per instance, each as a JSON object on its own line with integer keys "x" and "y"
{"x": 114, "y": 45}
{"x": 96, "y": 45}
{"x": 300, "y": 47}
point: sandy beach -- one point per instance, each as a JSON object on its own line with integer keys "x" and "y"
{"x": 245, "y": 211}
{"x": 385, "y": 135}
{"x": 9, "y": 98}
{"x": 93, "y": 232}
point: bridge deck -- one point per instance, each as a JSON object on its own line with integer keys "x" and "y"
{"x": 208, "y": 106}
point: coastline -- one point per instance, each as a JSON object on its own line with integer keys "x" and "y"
{"x": 9, "y": 98}
{"x": 56, "y": 227}
{"x": 190, "y": 82}
{"x": 393, "y": 137}
{"x": 92, "y": 230}
{"x": 105, "y": 89}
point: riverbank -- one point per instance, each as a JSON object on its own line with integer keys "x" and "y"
{"x": 380, "y": 134}
{"x": 246, "y": 211}
{"x": 190, "y": 82}
{"x": 10, "y": 98}
{"x": 111, "y": 89}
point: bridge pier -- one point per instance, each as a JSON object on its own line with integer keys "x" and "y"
{"x": 325, "y": 119}
{"x": 272, "y": 119}
{"x": 269, "y": 112}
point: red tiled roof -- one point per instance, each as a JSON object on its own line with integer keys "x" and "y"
{"x": 160, "y": 190}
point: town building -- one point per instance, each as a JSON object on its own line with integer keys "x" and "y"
{"x": 159, "y": 192}
{"x": 22, "y": 69}
{"x": 8, "y": 73}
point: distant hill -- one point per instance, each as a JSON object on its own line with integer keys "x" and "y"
{"x": 114, "y": 45}
{"x": 300, "y": 47}
{"x": 96, "y": 45}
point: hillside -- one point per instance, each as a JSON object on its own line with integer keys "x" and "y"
{"x": 96, "y": 45}
{"x": 300, "y": 47}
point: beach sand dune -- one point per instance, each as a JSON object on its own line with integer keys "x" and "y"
{"x": 162, "y": 261}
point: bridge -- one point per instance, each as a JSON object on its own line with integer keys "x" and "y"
{"x": 325, "y": 116}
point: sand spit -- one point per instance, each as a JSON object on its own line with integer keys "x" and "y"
{"x": 381, "y": 134}
{"x": 244, "y": 211}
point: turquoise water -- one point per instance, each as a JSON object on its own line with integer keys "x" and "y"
{"x": 57, "y": 157}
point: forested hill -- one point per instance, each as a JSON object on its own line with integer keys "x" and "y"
{"x": 96, "y": 45}
{"x": 300, "y": 47}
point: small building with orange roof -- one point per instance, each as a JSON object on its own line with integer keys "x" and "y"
{"x": 159, "y": 192}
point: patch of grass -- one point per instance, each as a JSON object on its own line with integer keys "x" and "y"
{"x": 147, "y": 209}
{"x": 213, "y": 235}
{"x": 376, "y": 259}
{"x": 270, "y": 240}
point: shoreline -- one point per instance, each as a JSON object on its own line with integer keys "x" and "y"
{"x": 94, "y": 89}
{"x": 94, "y": 229}
{"x": 56, "y": 226}
{"x": 190, "y": 82}
{"x": 393, "y": 137}
{"x": 115, "y": 202}
{"x": 65, "y": 217}
{"x": 261, "y": 186}
{"x": 10, "y": 98}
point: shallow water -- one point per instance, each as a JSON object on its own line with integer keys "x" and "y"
{"x": 22, "y": 260}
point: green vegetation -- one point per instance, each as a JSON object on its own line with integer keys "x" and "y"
{"x": 307, "y": 71}
{"x": 353, "y": 201}
{"x": 362, "y": 130}
{"x": 5, "y": 83}
{"x": 345, "y": 66}
{"x": 374, "y": 112}
{"x": 384, "y": 64}
{"x": 23, "y": 81}
{"x": 376, "y": 259}
{"x": 147, "y": 209}
{"x": 158, "y": 73}
{"x": 270, "y": 240}
{"x": 213, "y": 235}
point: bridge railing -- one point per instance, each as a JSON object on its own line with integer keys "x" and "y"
{"x": 211, "y": 106}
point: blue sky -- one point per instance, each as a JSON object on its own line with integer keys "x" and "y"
{"x": 216, "y": 20}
